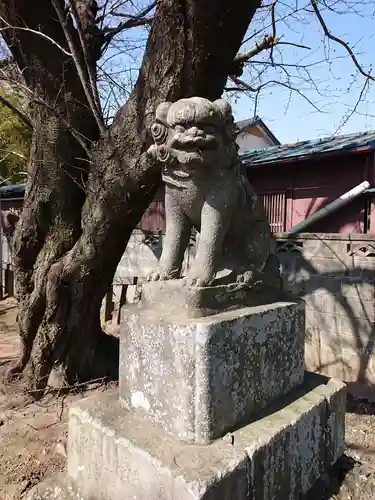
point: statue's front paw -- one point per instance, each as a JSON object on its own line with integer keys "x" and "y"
{"x": 154, "y": 276}
{"x": 194, "y": 280}
{"x": 163, "y": 274}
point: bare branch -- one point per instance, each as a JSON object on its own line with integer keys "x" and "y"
{"x": 237, "y": 66}
{"x": 334, "y": 38}
{"x": 131, "y": 22}
{"x": 245, "y": 86}
{"x": 81, "y": 73}
{"x": 39, "y": 33}
{"x": 345, "y": 119}
{"x": 74, "y": 133}
{"x": 17, "y": 111}
{"x": 293, "y": 44}
{"x": 267, "y": 42}
{"x": 87, "y": 56}
{"x": 82, "y": 141}
{"x": 274, "y": 36}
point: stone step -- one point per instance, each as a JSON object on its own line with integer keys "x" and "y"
{"x": 115, "y": 454}
{"x": 201, "y": 377}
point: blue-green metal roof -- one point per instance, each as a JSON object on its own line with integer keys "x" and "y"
{"x": 307, "y": 148}
{"x": 12, "y": 191}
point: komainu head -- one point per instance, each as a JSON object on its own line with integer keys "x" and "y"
{"x": 195, "y": 132}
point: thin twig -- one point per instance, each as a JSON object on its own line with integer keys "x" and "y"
{"x": 131, "y": 22}
{"x": 246, "y": 86}
{"x": 334, "y": 38}
{"x": 38, "y": 100}
{"x": 349, "y": 115}
{"x": 76, "y": 135}
{"x": 87, "y": 58}
{"x": 39, "y": 33}
{"x": 85, "y": 85}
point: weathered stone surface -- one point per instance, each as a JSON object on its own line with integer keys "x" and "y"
{"x": 115, "y": 454}
{"x": 199, "y": 378}
{"x": 194, "y": 302}
{"x": 291, "y": 448}
{"x": 335, "y": 419}
{"x": 119, "y": 455}
{"x": 206, "y": 189}
{"x": 52, "y": 488}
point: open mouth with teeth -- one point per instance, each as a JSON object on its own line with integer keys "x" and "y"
{"x": 189, "y": 144}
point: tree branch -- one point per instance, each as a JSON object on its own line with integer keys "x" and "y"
{"x": 87, "y": 56}
{"x": 81, "y": 73}
{"x": 39, "y": 33}
{"x": 82, "y": 141}
{"x": 245, "y": 86}
{"x": 86, "y": 11}
{"x": 345, "y": 119}
{"x": 267, "y": 42}
{"x": 131, "y": 22}
{"x": 17, "y": 111}
{"x": 274, "y": 36}
{"x": 237, "y": 65}
{"x": 334, "y": 38}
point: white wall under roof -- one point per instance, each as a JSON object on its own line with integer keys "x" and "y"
{"x": 247, "y": 141}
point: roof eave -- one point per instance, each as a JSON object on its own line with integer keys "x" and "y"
{"x": 268, "y": 132}
{"x": 292, "y": 159}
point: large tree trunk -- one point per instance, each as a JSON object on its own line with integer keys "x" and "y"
{"x": 51, "y": 220}
{"x": 189, "y": 52}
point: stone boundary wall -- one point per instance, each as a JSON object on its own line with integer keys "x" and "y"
{"x": 334, "y": 273}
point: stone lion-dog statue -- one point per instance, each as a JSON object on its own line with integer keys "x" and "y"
{"x": 207, "y": 189}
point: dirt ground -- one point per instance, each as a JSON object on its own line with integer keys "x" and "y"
{"x": 33, "y": 435}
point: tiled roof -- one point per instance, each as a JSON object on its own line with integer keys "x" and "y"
{"x": 245, "y": 123}
{"x": 306, "y": 148}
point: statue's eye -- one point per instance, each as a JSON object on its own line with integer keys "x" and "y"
{"x": 180, "y": 129}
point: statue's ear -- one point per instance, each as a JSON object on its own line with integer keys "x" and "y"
{"x": 162, "y": 111}
{"x": 225, "y": 109}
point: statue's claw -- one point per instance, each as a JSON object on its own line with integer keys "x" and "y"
{"x": 197, "y": 281}
{"x": 162, "y": 275}
{"x": 154, "y": 276}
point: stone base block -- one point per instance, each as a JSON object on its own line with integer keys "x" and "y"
{"x": 201, "y": 377}
{"x": 195, "y": 302}
{"x": 114, "y": 454}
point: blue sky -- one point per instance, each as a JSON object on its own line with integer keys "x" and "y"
{"x": 332, "y": 83}
{"x": 290, "y": 116}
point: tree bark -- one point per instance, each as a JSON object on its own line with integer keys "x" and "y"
{"x": 50, "y": 223}
{"x": 189, "y": 52}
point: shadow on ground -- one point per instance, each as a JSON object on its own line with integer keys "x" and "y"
{"x": 360, "y": 406}
{"x": 330, "y": 484}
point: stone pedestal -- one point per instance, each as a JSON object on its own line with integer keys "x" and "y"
{"x": 199, "y": 378}
{"x": 214, "y": 408}
{"x": 115, "y": 454}
{"x": 170, "y": 297}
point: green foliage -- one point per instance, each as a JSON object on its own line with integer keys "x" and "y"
{"x": 15, "y": 141}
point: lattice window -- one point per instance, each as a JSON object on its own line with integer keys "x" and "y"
{"x": 275, "y": 207}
